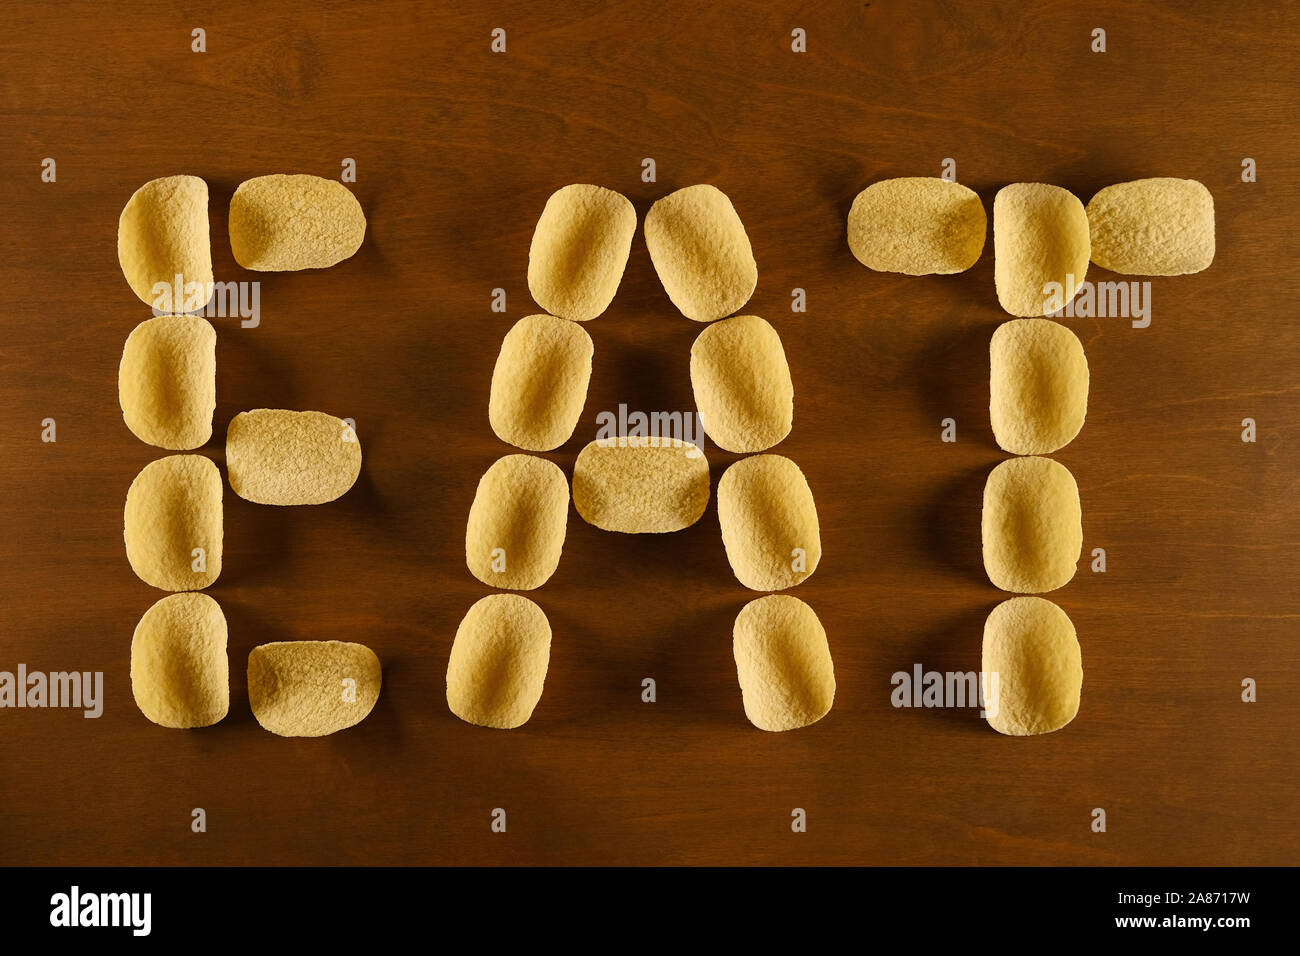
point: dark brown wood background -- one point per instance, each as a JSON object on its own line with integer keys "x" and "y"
{"x": 457, "y": 150}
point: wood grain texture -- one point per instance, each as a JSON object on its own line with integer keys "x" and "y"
{"x": 457, "y": 150}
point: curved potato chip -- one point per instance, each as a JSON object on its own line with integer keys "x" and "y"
{"x": 1038, "y": 386}
{"x": 742, "y": 384}
{"x": 783, "y": 663}
{"x": 1153, "y": 227}
{"x": 172, "y": 523}
{"x": 516, "y": 526}
{"x": 700, "y": 250}
{"x": 1032, "y": 667}
{"x": 640, "y": 485}
{"x": 539, "y": 384}
{"x": 917, "y": 225}
{"x": 179, "y": 673}
{"x": 283, "y": 223}
{"x": 163, "y": 233}
{"x": 498, "y": 662}
{"x": 312, "y": 688}
{"x": 1040, "y": 247}
{"x": 769, "y": 523}
{"x": 167, "y": 381}
{"x": 280, "y": 457}
{"x": 579, "y": 251}
{"x": 1032, "y": 525}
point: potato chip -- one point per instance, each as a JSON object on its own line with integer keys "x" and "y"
{"x": 167, "y": 381}
{"x": 284, "y": 223}
{"x": 179, "y": 673}
{"x": 1032, "y": 525}
{"x": 1153, "y": 227}
{"x": 498, "y": 662}
{"x": 783, "y": 663}
{"x": 312, "y": 688}
{"x": 917, "y": 225}
{"x": 1032, "y": 667}
{"x": 539, "y": 385}
{"x": 1038, "y": 386}
{"x": 163, "y": 233}
{"x": 516, "y": 527}
{"x": 579, "y": 251}
{"x": 742, "y": 384}
{"x": 699, "y": 248}
{"x": 172, "y": 523}
{"x": 280, "y": 457}
{"x": 640, "y": 485}
{"x": 769, "y": 523}
{"x": 1040, "y": 247}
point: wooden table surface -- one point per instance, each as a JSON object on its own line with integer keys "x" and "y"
{"x": 457, "y": 149}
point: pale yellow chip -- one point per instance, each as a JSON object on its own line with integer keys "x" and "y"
{"x": 172, "y": 523}
{"x": 539, "y": 384}
{"x": 769, "y": 523}
{"x": 280, "y": 457}
{"x": 742, "y": 384}
{"x": 579, "y": 251}
{"x": 516, "y": 526}
{"x": 1038, "y": 386}
{"x": 641, "y": 485}
{"x": 699, "y": 248}
{"x": 783, "y": 663}
{"x": 163, "y": 233}
{"x": 917, "y": 225}
{"x": 1032, "y": 525}
{"x": 180, "y": 676}
{"x": 1153, "y": 227}
{"x": 1032, "y": 667}
{"x": 1040, "y": 247}
{"x": 498, "y": 662}
{"x": 167, "y": 381}
{"x": 312, "y": 688}
{"x": 283, "y": 223}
